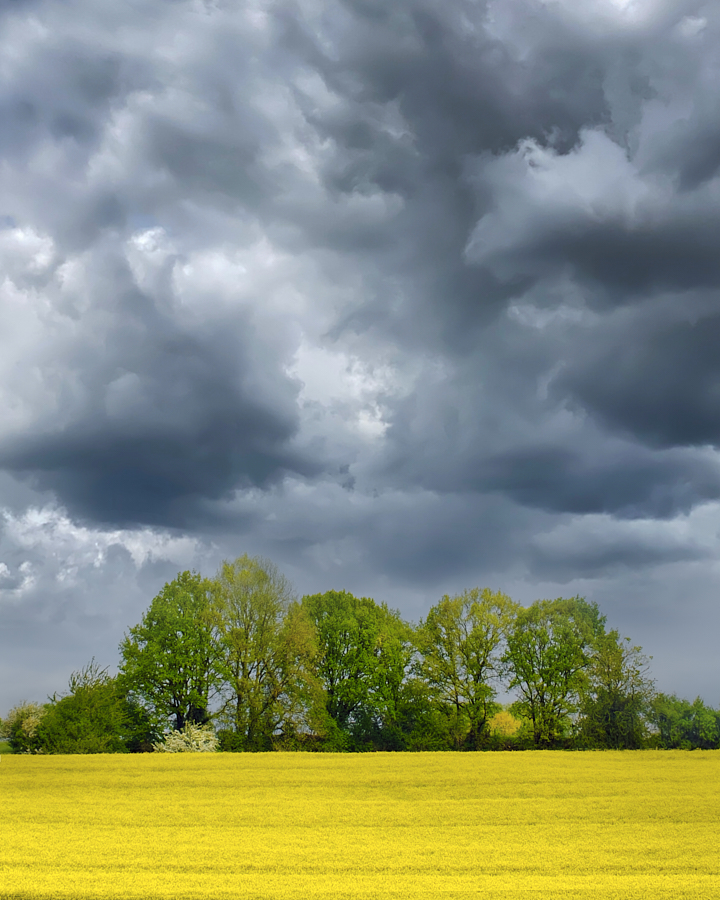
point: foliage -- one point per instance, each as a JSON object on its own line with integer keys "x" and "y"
{"x": 510, "y": 729}
{"x": 94, "y": 717}
{"x": 264, "y": 642}
{"x": 684, "y": 725}
{"x": 461, "y": 643}
{"x": 504, "y": 724}
{"x": 347, "y": 637}
{"x": 20, "y": 727}
{"x": 140, "y": 727}
{"x": 169, "y": 661}
{"x": 548, "y": 651}
{"x": 362, "y": 655}
{"x": 616, "y": 697}
{"x": 192, "y": 739}
{"x": 336, "y": 672}
{"x": 387, "y": 718}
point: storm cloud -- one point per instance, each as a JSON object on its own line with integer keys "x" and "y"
{"x": 406, "y": 296}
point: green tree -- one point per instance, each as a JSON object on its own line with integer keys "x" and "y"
{"x": 682, "y": 725}
{"x": 170, "y": 660}
{"x": 616, "y": 697}
{"x": 549, "y": 649}
{"x": 362, "y": 655}
{"x": 94, "y": 717}
{"x": 384, "y": 717}
{"x": 265, "y": 642}
{"x": 461, "y": 644}
{"x": 421, "y": 724}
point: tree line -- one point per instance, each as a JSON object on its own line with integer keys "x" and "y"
{"x": 240, "y": 656}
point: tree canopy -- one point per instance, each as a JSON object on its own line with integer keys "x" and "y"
{"x": 170, "y": 660}
{"x": 549, "y": 649}
{"x": 239, "y": 656}
{"x": 461, "y": 642}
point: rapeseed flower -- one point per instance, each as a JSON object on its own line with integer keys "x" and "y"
{"x": 492, "y": 825}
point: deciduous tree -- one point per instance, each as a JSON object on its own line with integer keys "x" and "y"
{"x": 20, "y": 727}
{"x": 617, "y": 695}
{"x": 461, "y": 644}
{"x": 265, "y": 643}
{"x": 93, "y": 717}
{"x": 682, "y": 725}
{"x": 548, "y": 652}
{"x": 170, "y": 660}
{"x": 362, "y": 656}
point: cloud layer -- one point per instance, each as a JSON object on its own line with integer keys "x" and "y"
{"x": 406, "y": 296}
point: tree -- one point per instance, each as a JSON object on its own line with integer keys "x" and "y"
{"x": 461, "y": 643}
{"x": 548, "y": 651}
{"x": 617, "y": 695}
{"x": 393, "y": 702}
{"x": 94, "y": 717}
{"x": 265, "y": 642}
{"x": 362, "y": 655}
{"x": 682, "y": 725}
{"x": 170, "y": 660}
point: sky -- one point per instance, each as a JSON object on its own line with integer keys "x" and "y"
{"x": 406, "y": 297}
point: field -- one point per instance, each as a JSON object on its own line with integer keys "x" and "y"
{"x": 495, "y": 825}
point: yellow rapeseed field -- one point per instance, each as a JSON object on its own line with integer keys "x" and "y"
{"x": 495, "y": 825}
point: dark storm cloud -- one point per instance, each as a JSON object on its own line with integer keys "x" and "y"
{"x": 461, "y": 94}
{"x": 627, "y": 485}
{"x": 496, "y": 220}
{"x": 457, "y": 91}
{"x": 423, "y": 107}
{"x": 582, "y": 470}
{"x": 608, "y": 234}
{"x": 663, "y": 389}
{"x": 169, "y": 414}
{"x": 157, "y": 409}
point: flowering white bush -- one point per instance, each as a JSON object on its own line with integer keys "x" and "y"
{"x": 192, "y": 739}
{"x": 20, "y": 727}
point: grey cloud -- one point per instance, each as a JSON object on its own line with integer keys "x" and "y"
{"x": 622, "y": 262}
{"x": 457, "y": 91}
{"x": 509, "y": 205}
{"x": 580, "y": 471}
{"x": 169, "y": 414}
{"x": 63, "y": 92}
{"x": 597, "y": 557}
{"x": 626, "y": 485}
{"x": 661, "y": 387}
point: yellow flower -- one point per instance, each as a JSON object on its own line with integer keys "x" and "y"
{"x": 434, "y": 825}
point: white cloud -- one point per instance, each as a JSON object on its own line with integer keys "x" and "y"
{"x": 601, "y": 543}
{"x": 68, "y": 548}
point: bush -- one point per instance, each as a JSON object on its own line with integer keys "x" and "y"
{"x": 88, "y": 721}
{"x": 191, "y": 739}
{"x": 509, "y": 730}
{"x": 95, "y": 717}
{"x": 20, "y": 727}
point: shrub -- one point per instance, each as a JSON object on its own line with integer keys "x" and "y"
{"x": 504, "y": 724}
{"x": 90, "y": 720}
{"x": 191, "y": 739}
{"x": 94, "y": 717}
{"x": 20, "y": 727}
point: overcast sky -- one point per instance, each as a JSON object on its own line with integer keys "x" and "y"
{"x": 408, "y": 296}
